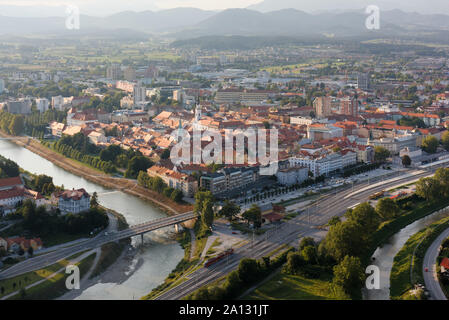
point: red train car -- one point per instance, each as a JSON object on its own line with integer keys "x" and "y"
{"x": 222, "y": 255}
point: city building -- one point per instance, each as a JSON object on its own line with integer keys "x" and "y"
{"x": 114, "y": 72}
{"x": 19, "y": 107}
{"x": 364, "y": 81}
{"x": 230, "y": 96}
{"x": 13, "y": 192}
{"x": 229, "y": 179}
{"x": 140, "y": 95}
{"x": 57, "y": 103}
{"x": 349, "y": 106}
{"x": 71, "y": 201}
{"x": 292, "y": 175}
{"x": 325, "y": 164}
{"x": 395, "y": 144}
{"x": 2, "y": 86}
{"x": 316, "y": 132}
{"x": 129, "y": 74}
{"x": 176, "y": 180}
{"x": 42, "y": 105}
{"x": 322, "y": 107}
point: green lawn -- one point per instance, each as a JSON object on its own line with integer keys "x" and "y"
{"x": 290, "y": 287}
{"x": 8, "y": 286}
{"x": 55, "y": 287}
{"x": 400, "y": 280}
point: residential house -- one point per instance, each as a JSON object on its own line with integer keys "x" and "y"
{"x": 71, "y": 201}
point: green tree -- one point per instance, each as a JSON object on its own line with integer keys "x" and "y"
{"x": 365, "y": 216}
{"x": 230, "y": 210}
{"x": 430, "y": 144}
{"x": 333, "y": 221}
{"x": 406, "y": 161}
{"x": 137, "y": 164}
{"x": 428, "y": 188}
{"x": 387, "y": 209}
{"x": 94, "y": 200}
{"x": 248, "y": 271}
{"x": 295, "y": 262}
{"x": 349, "y": 276}
{"x": 310, "y": 254}
{"x": 381, "y": 154}
{"x": 208, "y": 214}
{"x": 177, "y": 196}
{"x": 344, "y": 239}
{"x": 442, "y": 178}
{"x": 254, "y": 215}
{"x": 445, "y": 140}
{"x": 165, "y": 154}
{"x": 201, "y": 198}
{"x": 17, "y": 125}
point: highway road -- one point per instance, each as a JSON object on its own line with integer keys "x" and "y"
{"x": 318, "y": 214}
{"x": 328, "y": 206}
{"x": 45, "y": 260}
{"x": 431, "y": 278}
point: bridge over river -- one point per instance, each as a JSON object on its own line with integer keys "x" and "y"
{"x": 45, "y": 260}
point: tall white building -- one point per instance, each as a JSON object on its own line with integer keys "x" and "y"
{"x": 2, "y": 86}
{"x": 57, "y": 102}
{"x": 42, "y": 104}
{"x": 140, "y": 94}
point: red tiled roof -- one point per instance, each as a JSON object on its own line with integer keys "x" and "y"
{"x": 72, "y": 194}
{"x": 11, "y": 193}
{"x": 445, "y": 263}
{"x": 6, "y": 182}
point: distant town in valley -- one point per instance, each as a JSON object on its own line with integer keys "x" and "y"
{"x": 316, "y": 167}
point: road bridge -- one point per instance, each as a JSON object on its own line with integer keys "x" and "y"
{"x": 45, "y": 260}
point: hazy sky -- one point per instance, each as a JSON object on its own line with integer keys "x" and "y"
{"x": 106, "y": 7}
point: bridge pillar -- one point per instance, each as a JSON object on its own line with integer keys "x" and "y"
{"x": 141, "y": 237}
{"x": 177, "y": 228}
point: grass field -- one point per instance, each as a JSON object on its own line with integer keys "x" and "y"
{"x": 400, "y": 279}
{"x": 8, "y": 286}
{"x": 54, "y": 287}
{"x": 292, "y": 287}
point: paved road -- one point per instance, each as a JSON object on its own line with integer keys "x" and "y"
{"x": 430, "y": 277}
{"x": 44, "y": 260}
{"x": 333, "y": 204}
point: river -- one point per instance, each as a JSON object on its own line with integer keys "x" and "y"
{"x": 384, "y": 256}
{"x": 152, "y": 261}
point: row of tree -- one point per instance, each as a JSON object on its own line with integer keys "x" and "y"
{"x": 12, "y": 124}
{"x": 93, "y": 161}
{"x": 248, "y": 273}
{"x": 41, "y": 223}
{"x": 158, "y": 185}
{"x": 8, "y": 168}
{"x": 434, "y": 188}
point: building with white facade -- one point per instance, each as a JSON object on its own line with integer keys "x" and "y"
{"x": 42, "y": 104}
{"x": 57, "y": 103}
{"x": 71, "y": 201}
{"x": 316, "y": 132}
{"x": 325, "y": 164}
{"x": 292, "y": 175}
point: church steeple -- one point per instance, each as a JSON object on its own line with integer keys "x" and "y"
{"x": 179, "y": 135}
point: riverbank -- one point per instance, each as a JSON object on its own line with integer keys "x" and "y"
{"x": 125, "y": 185}
{"x": 407, "y": 268}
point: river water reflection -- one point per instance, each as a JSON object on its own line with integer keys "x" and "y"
{"x": 152, "y": 262}
{"x": 384, "y": 256}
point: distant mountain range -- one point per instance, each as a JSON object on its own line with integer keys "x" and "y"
{"x": 183, "y": 23}
{"x": 427, "y": 7}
